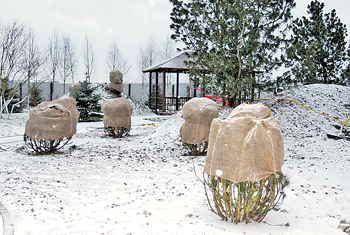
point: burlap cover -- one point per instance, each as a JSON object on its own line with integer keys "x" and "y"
{"x": 247, "y": 146}
{"x": 53, "y": 120}
{"x": 74, "y": 88}
{"x": 116, "y": 80}
{"x": 198, "y": 114}
{"x": 117, "y": 113}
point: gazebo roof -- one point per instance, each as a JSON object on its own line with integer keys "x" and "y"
{"x": 172, "y": 65}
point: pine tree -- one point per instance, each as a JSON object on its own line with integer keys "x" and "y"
{"x": 317, "y": 53}
{"x": 345, "y": 76}
{"x": 87, "y": 102}
{"x": 232, "y": 40}
{"x": 36, "y": 94}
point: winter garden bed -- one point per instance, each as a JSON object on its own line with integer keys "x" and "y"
{"x": 143, "y": 183}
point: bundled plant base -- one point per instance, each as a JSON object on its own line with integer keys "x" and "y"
{"x": 118, "y": 132}
{"x": 196, "y": 149}
{"x": 45, "y": 146}
{"x": 246, "y": 201}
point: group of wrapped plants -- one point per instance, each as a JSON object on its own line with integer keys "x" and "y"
{"x": 52, "y": 124}
{"x": 243, "y": 180}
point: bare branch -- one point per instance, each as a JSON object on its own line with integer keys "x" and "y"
{"x": 89, "y": 60}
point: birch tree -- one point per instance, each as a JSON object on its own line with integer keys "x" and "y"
{"x": 54, "y": 60}
{"x": 89, "y": 60}
{"x": 147, "y": 57}
{"x": 12, "y": 44}
{"x": 115, "y": 60}
{"x": 32, "y": 62}
{"x": 69, "y": 61}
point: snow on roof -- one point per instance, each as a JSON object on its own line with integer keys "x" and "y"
{"x": 174, "y": 64}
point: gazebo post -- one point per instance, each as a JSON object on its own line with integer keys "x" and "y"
{"x": 164, "y": 88}
{"x": 177, "y": 90}
{"x": 194, "y": 89}
{"x": 156, "y": 106}
{"x": 150, "y": 91}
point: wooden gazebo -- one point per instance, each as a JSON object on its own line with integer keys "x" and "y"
{"x": 158, "y": 102}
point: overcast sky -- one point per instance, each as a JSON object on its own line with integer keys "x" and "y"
{"x": 130, "y": 22}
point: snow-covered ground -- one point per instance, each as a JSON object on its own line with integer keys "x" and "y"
{"x": 144, "y": 183}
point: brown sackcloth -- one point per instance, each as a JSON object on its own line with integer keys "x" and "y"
{"x": 53, "y": 120}
{"x": 198, "y": 114}
{"x": 117, "y": 113}
{"x": 247, "y": 146}
{"x": 74, "y": 88}
{"x": 116, "y": 79}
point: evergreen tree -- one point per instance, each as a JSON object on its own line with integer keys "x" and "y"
{"x": 345, "y": 76}
{"x": 36, "y": 94}
{"x": 317, "y": 53}
{"x": 232, "y": 40}
{"x": 87, "y": 102}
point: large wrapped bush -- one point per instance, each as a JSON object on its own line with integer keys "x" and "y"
{"x": 243, "y": 164}
{"x": 51, "y": 125}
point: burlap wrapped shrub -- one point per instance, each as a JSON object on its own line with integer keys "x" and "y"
{"x": 198, "y": 114}
{"x": 51, "y": 125}
{"x": 117, "y": 116}
{"x": 74, "y": 88}
{"x": 243, "y": 164}
{"x": 116, "y": 81}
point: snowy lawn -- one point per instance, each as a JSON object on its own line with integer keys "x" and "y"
{"x": 145, "y": 184}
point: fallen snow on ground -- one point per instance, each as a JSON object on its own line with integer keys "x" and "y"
{"x": 145, "y": 184}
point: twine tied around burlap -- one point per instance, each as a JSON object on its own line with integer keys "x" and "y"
{"x": 116, "y": 80}
{"x": 198, "y": 114}
{"x": 53, "y": 120}
{"x": 117, "y": 113}
{"x": 247, "y": 146}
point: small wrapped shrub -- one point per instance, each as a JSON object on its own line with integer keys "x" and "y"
{"x": 116, "y": 82}
{"x": 198, "y": 114}
{"x": 51, "y": 125}
{"x": 243, "y": 165}
{"x": 117, "y": 117}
